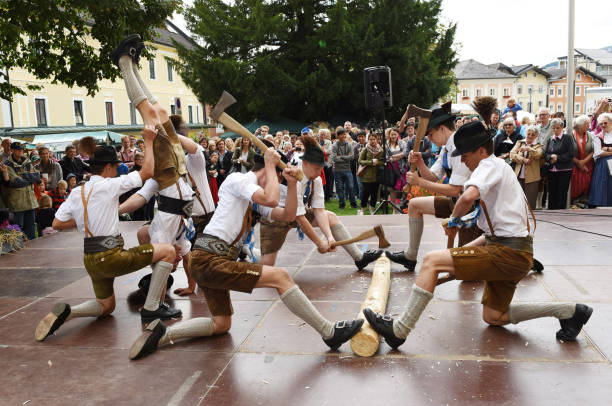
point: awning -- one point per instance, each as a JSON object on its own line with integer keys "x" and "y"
{"x": 57, "y": 142}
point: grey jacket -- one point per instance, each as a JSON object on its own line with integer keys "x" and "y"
{"x": 341, "y": 156}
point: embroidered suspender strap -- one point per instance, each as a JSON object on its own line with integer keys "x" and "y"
{"x": 85, "y": 202}
{"x": 197, "y": 193}
{"x": 246, "y": 224}
{"x": 486, "y": 213}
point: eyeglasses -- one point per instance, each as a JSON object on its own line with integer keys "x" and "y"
{"x": 604, "y": 123}
{"x": 508, "y": 125}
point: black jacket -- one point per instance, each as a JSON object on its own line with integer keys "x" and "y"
{"x": 563, "y": 148}
{"x": 502, "y": 147}
{"x": 75, "y": 166}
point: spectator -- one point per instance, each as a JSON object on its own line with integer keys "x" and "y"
{"x": 409, "y": 132}
{"x": 204, "y": 142}
{"x": 511, "y": 106}
{"x": 229, "y": 145}
{"x": 6, "y": 149}
{"x": 140, "y": 145}
{"x": 127, "y": 153}
{"x": 212, "y": 147}
{"x": 601, "y": 183}
{"x": 45, "y": 214}
{"x": 50, "y": 170}
{"x": 370, "y": 157}
{"x": 458, "y": 122}
{"x": 543, "y": 120}
{"x": 264, "y": 130}
{"x": 212, "y": 170}
{"x": 527, "y": 155}
{"x": 326, "y": 146}
{"x": 348, "y": 127}
{"x": 244, "y": 155}
{"x": 72, "y": 181}
{"x": 583, "y": 162}
{"x": 298, "y": 153}
{"x": 286, "y": 149}
{"x": 425, "y": 148}
{"x": 559, "y": 154}
{"x": 342, "y": 153}
{"x": 523, "y": 129}
{"x": 20, "y": 198}
{"x": 72, "y": 165}
{"x": 505, "y": 141}
{"x": 603, "y": 106}
{"x": 357, "y": 148}
{"x": 495, "y": 121}
{"x": 396, "y": 163}
{"x": 225, "y": 161}
{"x": 59, "y": 194}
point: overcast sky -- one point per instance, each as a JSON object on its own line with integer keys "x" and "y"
{"x": 518, "y": 32}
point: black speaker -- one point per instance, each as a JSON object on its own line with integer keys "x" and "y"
{"x": 377, "y": 87}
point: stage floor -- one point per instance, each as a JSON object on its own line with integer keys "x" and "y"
{"x": 272, "y": 358}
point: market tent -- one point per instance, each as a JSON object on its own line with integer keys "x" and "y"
{"x": 276, "y": 125}
{"x": 57, "y": 142}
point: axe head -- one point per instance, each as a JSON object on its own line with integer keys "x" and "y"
{"x": 224, "y": 102}
{"x": 414, "y": 111}
{"x": 382, "y": 240}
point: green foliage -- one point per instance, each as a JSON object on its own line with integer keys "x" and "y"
{"x": 304, "y": 59}
{"x": 48, "y": 37}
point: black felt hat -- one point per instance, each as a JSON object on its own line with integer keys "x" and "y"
{"x": 314, "y": 155}
{"x": 440, "y": 116}
{"x": 104, "y": 155}
{"x": 470, "y": 137}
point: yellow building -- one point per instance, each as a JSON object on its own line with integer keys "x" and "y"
{"x": 531, "y": 87}
{"x": 57, "y": 105}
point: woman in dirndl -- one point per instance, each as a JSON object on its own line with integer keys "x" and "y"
{"x": 601, "y": 182}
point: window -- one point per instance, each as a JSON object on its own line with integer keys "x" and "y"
{"x": 506, "y": 91}
{"x": 152, "y": 68}
{"x": 492, "y": 92}
{"x": 478, "y": 92}
{"x": 132, "y": 114}
{"x": 535, "y": 74}
{"x": 41, "y": 112}
{"x": 577, "y": 108}
{"x": 465, "y": 93}
{"x": 579, "y": 77}
{"x": 540, "y": 89}
{"x": 78, "y": 112}
{"x": 172, "y": 109}
{"x": 197, "y": 114}
{"x": 170, "y": 71}
{"x": 530, "y": 89}
{"x": 560, "y": 91}
{"x": 519, "y": 89}
{"x": 551, "y": 108}
{"x": 540, "y": 103}
{"x": 190, "y": 108}
{"x": 552, "y": 91}
{"x": 109, "y": 113}
{"x": 577, "y": 90}
{"x": 559, "y": 107}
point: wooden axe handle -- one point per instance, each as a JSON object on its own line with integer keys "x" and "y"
{"x": 360, "y": 237}
{"x": 238, "y": 128}
{"x": 422, "y": 128}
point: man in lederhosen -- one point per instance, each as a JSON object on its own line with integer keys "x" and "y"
{"x": 92, "y": 209}
{"x": 216, "y": 271}
{"x": 311, "y": 213}
{"x": 501, "y": 257}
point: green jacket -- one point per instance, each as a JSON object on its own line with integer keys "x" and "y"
{"x": 19, "y": 192}
{"x": 365, "y": 159}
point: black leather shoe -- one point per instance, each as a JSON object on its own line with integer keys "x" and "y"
{"x": 570, "y": 328}
{"x": 399, "y": 258}
{"x": 383, "y": 325}
{"x": 163, "y": 312}
{"x": 343, "y": 331}
{"x": 52, "y": 321}
{"x": 368, "y": 256}
{"x": 537, "y": 266}
{"x": 129, "y": 46}
{"x": 145, "y": 281}
{"x": 149, "y": 339}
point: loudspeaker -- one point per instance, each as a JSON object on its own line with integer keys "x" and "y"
{"x": 377, "y": 87}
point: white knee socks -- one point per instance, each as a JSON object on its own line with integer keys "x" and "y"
{"x": 415, "y": 228}
{"x": 298, "y": 303}
{"x": 198, "y": 327}
{"x": 527, "y": 311}
{"x": 340, "y": 233}
{"x": 134, "y": 91}
{"x": 418, "y": 300}
{"x": 161, "y": 270}
{"x": 91, "y": 308}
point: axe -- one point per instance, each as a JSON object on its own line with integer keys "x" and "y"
{"x": 423, "y": 115}
{"x": 219, "y": 115}
{"x": 376, "y": 231}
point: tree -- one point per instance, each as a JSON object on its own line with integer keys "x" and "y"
{"x": 48, "y": 38}
{"x": 304, "y": 59}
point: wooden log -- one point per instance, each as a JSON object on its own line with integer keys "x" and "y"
{"x": 366, "y": 342}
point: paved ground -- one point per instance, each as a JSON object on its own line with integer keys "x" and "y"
{"x": 271, "y": 358}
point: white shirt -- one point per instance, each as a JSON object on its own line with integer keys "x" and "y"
{"x": 102, "y": 208}
{"x": 235, "y": 194}
{"x": 318, "y": 197}
{"x": 460, "y": 172}
{"x": 151, "y": 187}
{"x": 503, "y": 196}
{"x": 597, "y": 144}
{"x": 196, "y": 166}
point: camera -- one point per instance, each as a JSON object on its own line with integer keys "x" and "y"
{"x": 298, "y": 149}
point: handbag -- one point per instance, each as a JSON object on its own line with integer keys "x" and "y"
{"x": 360, "y": 170}
{"x": 386, "y": 176}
